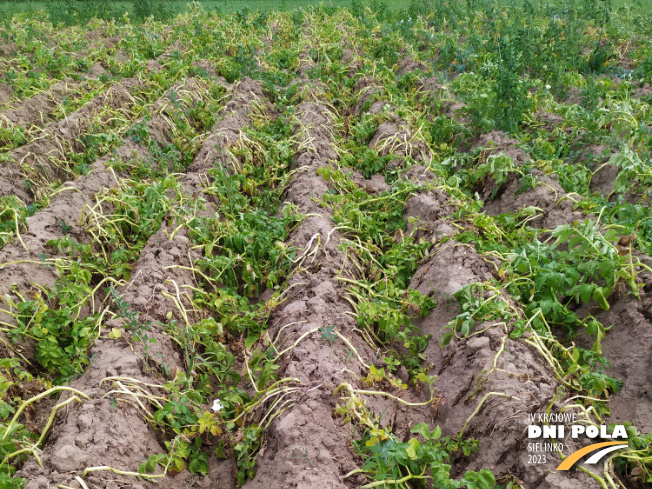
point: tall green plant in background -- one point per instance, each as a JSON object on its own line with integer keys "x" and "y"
{"x": 78, "y": 12}
{"x": 512, "y": 99}
{"x": 73, "y": 12}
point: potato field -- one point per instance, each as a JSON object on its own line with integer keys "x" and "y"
{"x": 326, "y": 248}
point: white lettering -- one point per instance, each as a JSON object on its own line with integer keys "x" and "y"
{"x": 533, "y": 431}
{"x": 619, "y": 431}
{"x": 550, "y": 431}
{"x": 592, "y": 431}
{"x": 545, "y": 447}
{"x": 553, "y": 431}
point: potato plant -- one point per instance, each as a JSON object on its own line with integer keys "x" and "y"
{"x": 323, "y": 246}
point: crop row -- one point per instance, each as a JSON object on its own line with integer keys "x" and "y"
{"x": 354, "y": 247}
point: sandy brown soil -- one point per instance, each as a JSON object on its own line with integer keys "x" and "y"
{"x": 39, "y": 158}
{"x": 36, "y": 111}
{"x": 553, "y": 206}
{"x": 477, "y": 372}
{"x": 470, "y": 370}
{"x": 34, "y": 262}
{"x": 486, "y": 384}
{"x": 628, "y": 317}
{"x": 316, "y": 301}
{"x": 5, "y": 93}
{"x": 155, "y": 273}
